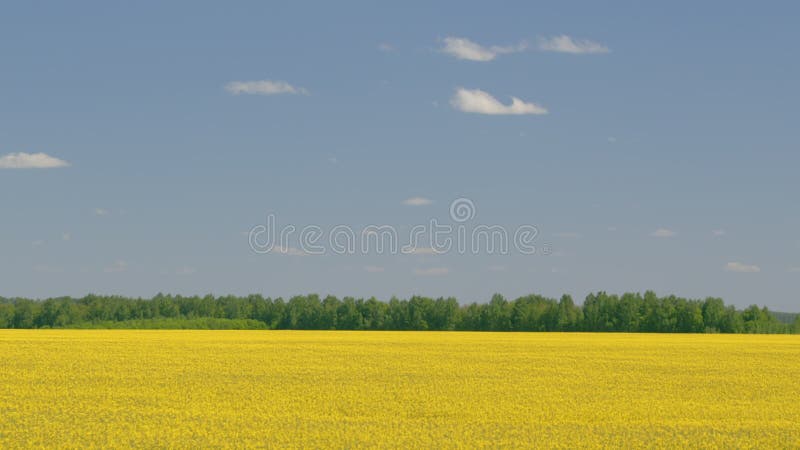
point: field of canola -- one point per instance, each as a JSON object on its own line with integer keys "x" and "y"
{"x": 117, "y": 388}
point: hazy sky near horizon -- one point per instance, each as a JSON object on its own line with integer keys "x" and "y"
{"x": 653, "y": 146}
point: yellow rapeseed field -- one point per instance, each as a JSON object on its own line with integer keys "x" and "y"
{"x": 191, "y": 389}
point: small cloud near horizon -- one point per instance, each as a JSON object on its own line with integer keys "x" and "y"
{"x": 23, "y": 160}
{"x": 186, "y": 271}
{"x": 432, "y": 272}
{"x": 417, "y": 201}
{"x": 420, "y": 251}
{"x": 663, "y": 233}
{"x": 741, "y": 267}
{"x": 118, "y": 267}
{"x": 290, "y": 251}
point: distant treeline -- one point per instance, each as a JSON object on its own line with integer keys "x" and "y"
{"x": 599, "y": 312}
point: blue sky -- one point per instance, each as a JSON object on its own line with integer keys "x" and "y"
{"x": 654, "y": 146}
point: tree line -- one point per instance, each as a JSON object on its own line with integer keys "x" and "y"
{"x": 630, "y": 312}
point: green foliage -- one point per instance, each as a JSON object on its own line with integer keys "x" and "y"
{"x": 206, "y": 323}
{"x": 783, "y": 317}
{"x": 631, "y": 312}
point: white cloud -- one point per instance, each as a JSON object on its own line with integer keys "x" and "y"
{"x": 566, "y": 44}
{"x": 100, "y": 212}
{"x": 117, "y": 267}
{"x": 463, "y": 48}
{"x": 30, "y": 161}
{"x": 663, "y": 233}
{"x": 263, "y": 87}
{"x": 374, "y": 269}
{"x": 66, "y": 237}
{"x": 420, "y": 251}
{"x": 717, "y": 233}
{"x": 385, "y": 47}
{"x": 480, "y": 102}
{"x": 743, "y": 268}
{"x": 417, "y": 201}
{"x": 432, "y": 272}
{"x": 290, "y": 251}
{"x": 568, "y": 234}
{"x": 186, "y": 271}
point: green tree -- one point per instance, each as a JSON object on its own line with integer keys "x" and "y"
{"x": 499, "y": 314}
{"x": 6, "y": 315}
{"x": 713, "y": 314}
{"x": 569, "y": 316}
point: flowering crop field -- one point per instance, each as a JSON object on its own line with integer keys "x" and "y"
{"x": 118, "y": 388}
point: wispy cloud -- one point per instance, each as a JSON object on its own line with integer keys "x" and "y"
{"x": 480, "y": 102}
{"x": 742, "y": 268}
{"x": 432, "y": 272}
{"x": 567, "y": 44}
{"x": 186, "y": 271}
{"x": 717, "y": 233}
{"x": 66, "y": 236}
{"x": 417, "y": 201}
{"x": 663, "y": 233}
{"x": 420, "y": 251}
{"x": 117, "y": 267}
{"x": 385, "y": 47}
{"x": 30, "y": 161}
{"x": 374, "y": 269}
{"x": 100, "y": 212}
{"x": 290, "y": 251}
{"x": 463, "y": 48}
{"x": 263, "y": 87}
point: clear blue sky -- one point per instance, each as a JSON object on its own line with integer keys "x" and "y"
{"x": 667, "y": 158}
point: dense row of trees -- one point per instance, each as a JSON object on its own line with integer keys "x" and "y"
{"x": 599, "y": 312}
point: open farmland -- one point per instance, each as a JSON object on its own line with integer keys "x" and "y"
{"x": 92, "y": 388}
